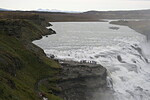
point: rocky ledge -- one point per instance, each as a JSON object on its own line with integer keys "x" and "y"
{"x": 79, "y": 81}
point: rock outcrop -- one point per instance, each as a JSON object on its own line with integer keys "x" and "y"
{"x": 79, "y": 81}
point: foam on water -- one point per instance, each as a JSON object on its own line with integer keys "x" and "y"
{"x": 117, "y": 50}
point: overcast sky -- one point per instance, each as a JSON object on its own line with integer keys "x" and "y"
{"x": 75, "y": 5}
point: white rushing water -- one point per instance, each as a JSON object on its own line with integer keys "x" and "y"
{"x": 117, "y": 50}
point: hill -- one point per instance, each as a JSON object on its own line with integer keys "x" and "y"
{"x": 80, "y": 17}
{"x": 22, "y": 64}
{"x": 1, "y": 9}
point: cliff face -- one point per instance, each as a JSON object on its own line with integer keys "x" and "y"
{"x": 27, "y": 74}
{"x": 22, "y": 64}
{"x": 80, "y": 81}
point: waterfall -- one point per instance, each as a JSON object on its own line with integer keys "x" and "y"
{"x": 123, "y": 52}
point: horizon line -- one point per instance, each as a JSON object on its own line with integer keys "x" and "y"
{"x": 74, "y": 10}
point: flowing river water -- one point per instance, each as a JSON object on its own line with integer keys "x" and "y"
{"x": 118, "y": 50}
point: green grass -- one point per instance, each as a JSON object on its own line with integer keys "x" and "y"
{"x": 23, "y": 64}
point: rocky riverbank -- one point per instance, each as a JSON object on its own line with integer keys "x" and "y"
{"x": 141, "y": 26}
{"x": 81, "y": 81}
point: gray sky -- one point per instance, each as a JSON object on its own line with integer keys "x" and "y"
{"x": 75, "y": 5}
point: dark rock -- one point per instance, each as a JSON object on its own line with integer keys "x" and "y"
{"x": 137, "y": 48}
{"x": 134, "y": 61}
{"x": 52, "y": 31}
{"x": 49, "y": 24}
{"x": 119, "y": 58}
{"x": 51, "y": 56}
{"x": 80, "y": 80}
{"x": 114, "y": 28}
{"x": 146, "y": 60}
{"x": 140, "y": 52}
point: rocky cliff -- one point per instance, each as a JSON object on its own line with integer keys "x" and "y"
{"x": 80, "y": 81}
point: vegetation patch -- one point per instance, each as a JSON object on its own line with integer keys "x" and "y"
{"x": 22, "y": 64}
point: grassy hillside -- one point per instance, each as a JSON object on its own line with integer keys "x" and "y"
{"x": 22, "y": 64}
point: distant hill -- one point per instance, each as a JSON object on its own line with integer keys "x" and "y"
{"x": 1, "y": 9}
{"x": 95, "y": 11}
{"x": 69, "y": 16}
{"x": 127, "y": 14}
{"x": 55, "y": 10}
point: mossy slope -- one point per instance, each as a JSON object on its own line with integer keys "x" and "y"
{"x": 22, "y": 64}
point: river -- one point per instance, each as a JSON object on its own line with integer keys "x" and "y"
{"x": 117, "y": 49}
